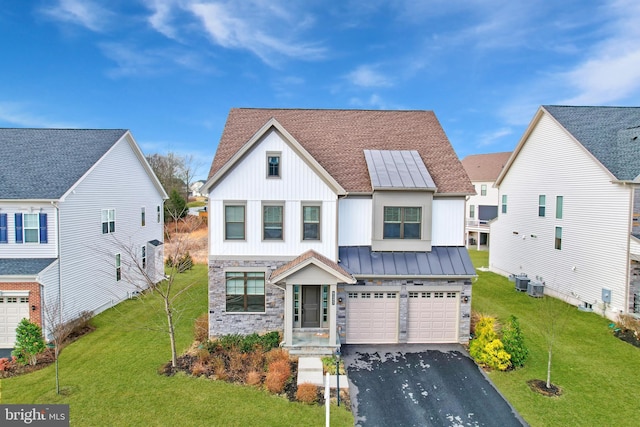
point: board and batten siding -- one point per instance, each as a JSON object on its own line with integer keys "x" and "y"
{"x": 247, "y": 182}
{"x": 118, "y": 181}
{"x": 448, "y": 221}
{"x": 355, "y": 216}
{"x": 11, "y": 249}
{"x": 595, "y": 220}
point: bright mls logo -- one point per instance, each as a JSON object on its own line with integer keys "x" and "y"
{"x": 35, "y": 415}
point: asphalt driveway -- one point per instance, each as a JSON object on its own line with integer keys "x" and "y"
{"x": 408, "y": 385}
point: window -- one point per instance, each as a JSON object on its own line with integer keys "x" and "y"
{"x": 559, "y": 201}
{"x": 504, "y": 203}
{"x": 108, "y": 221}
{"x": 272, "y": 222}
{"x": 4, "y": 235}
{"x": 143, "y": 219}
{"x": 245, "y": 292}
{"x": 143, "y": 253}
{"x": 558, "y": 241}
{"x": 31, "y": 228}
{"x": 273, "y": 165}
{"x": 311, "y": 223}
{"x": 483, "y": 190}
{"x": 472, "y": 211}
{"x": 402, "y": 222}
{"x": 542, "y": 200}
{"x": 118, "y": 268}
{"x": 158, "y": 214}
{"x": 234, "y": 222}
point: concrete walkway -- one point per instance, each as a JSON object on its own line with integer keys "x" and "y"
{"x": 310, "y": 371}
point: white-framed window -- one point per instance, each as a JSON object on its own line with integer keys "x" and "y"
{"x": 234, "y": 222}
{"x": 143, "y": 256}
{"x": 558, "y": 238}
{"x": 118, "y": 268}
{"x": 273, "y": 165}
{"x": 542, "y": 201}
{"x": 402, "y": 222}
{"x": 504, "y": 203}
{"x": 472, "y": 211}
{"x": 245, "y": 292}
{"x": 31, "y": 227}
{"x": 483, "y": 190}
{"x": 143, "y": 217}
{"x": 310, "y": 222}
{"x": 158, "y": 214}
{"x": 108, "y": 221}
{"x": 559, "y": 202}
{"x": 273, "y": 222}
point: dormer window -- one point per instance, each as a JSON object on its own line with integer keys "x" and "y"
{"x": 273, "y": 165}
{"x": 402, "y": 222}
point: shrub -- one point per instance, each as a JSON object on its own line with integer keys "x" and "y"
{"x": 270, "y": 340}
{"x": 201, "y": 328}
{"x": 276, "y": 354}
{"x": 254, "y": 378}
{"x": 487, "y": 349}
{"x": 6, "y": 363}
{"x": 181, "y": 263}
{"x": 513, "y": 341}
{"x": 278, "y": 375}
{"x": 246, "y": 343}
{"x": 199, "y": 368}
{"x": 29, "y": 342}
{"x": 307, "y": 393}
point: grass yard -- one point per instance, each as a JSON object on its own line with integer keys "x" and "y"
{"x": 597, "y": 372}
{"x": 109, "y": 377}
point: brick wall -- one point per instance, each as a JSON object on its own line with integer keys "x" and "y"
{"x": 35, "y": 316}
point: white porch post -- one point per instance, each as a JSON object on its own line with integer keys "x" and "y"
{"x": 288, "y": 315}
{"x": 333, "y": 310}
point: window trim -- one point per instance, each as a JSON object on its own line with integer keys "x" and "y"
{"x": 559, "y": 206}
{"x": 158, "y": 213}
{"x": 245, "y": 272}
{"x": 143, "y": 256}
{"x": 282, "y": 213}
{"x": 402, "y": 222}
{"x": 278, "y": 155}
{"x": 118, "y": 267}
{"x": 21, "y": 228}
{"x": 472, "y": 211}
{"x": 319, "y": 222}
{"x": 238, "y": 204}
{"x": 483, "y": 189}
{"x": 111, "y": 223}
{"x": 542, "y": 205}
{"x": 143, "y": 217}
{"x": 504, "y": 204}
{"x": 558, "y": 240}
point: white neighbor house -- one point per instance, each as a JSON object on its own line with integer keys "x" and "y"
{"x": 338, "y": 226}
{"x": 73, "y": 204}
{"x": 483, "y": 170}
{"x": 569, "y": 207}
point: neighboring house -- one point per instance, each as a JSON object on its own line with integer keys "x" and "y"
{"x": 74, "y": 205}
{"x": 338, "y": 226}
{"x": 570, "y": 207}
{"x": 483, "y": 170}
{"x": 194, "y": 188}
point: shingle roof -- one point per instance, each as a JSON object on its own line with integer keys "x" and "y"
{"x": 292, "y": 265}
{"x": 610, "y": 134}
{"x": 485, "y": 167}
{"x": 337, "y": 139}
{"x": 23, "y": 266}
{"x": 441, "y": 261}
{"x": 45, "y": 163}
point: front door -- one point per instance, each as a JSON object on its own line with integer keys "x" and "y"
{"x": 310, "y": 306}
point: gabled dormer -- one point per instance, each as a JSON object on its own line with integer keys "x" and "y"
{"x": 402, "y": 200}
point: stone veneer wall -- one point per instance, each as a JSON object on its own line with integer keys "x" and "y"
{"x": 223, "y": 323}
{"x": 465, "y": 307}
{"x": 634, "y": 288}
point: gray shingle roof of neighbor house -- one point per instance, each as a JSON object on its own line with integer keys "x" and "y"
{"x": 610, "y": 134}
{"x": 441, "y": 261}
{"x": 336, "y": 139}
{"x": 45, "y": 163}
{"x": 485, "y": 167}
{"x": 23, "y": 266}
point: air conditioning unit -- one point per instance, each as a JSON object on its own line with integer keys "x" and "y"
{"x": 535, "y": 289}
{"x": 522, "y": 283}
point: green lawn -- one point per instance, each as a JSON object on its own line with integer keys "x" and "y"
{"x": 110, "y": 376}
{"x": 599, "y": 374}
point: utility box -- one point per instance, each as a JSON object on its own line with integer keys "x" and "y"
{"x": 535, "y": 289}
{"x": 606, "y": 296}
{"x": 522, "y": 282}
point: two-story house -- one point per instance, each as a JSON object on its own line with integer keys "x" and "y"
{"x": 78, "y": 208}
{"x": 338, "y": 226}
{"x": 483, "y": 170}
{"x": 570, "y": 207}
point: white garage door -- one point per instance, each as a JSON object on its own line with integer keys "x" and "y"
{"x": 12, "y": 311}
{"x": 372, "y": 317}
{"x": 433, "y": 317}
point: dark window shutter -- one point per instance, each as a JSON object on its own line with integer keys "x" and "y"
{"x": 4, "y": 236}
{"x": 43, "y": 228}
{"x": 18, "y": 228}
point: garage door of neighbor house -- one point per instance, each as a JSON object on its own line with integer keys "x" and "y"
{"x": 433, "y": 317}
{"x": 372, "y": 317}
{"x": 12, "y": 311}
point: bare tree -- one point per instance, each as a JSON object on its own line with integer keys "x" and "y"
{"x": 58, "y": 330}
{"x": 556, "y": 313}
{"x": 188, "y": 169}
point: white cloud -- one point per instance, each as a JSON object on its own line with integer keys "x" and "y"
{"x": 367, "y": 76}
{"x": 161, "y": 16}
{"x": 85, "y": 13}
{"x": 491, "y": 138}
{"x": 20, "y": 115}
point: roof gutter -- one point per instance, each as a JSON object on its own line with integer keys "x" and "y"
{"x": 413, "y": 276}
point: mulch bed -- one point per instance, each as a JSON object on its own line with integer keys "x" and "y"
{"x": 627, "y": 335}
{"x": 540, "y": 386}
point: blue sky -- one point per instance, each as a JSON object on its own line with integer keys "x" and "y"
{"x": 170, "y": 70}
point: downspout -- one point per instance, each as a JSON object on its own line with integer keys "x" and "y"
{"x": 58, "y": 246}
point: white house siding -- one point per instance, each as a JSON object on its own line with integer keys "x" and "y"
{"x": 354, "y": 225}
{"x": 118, "y": 181}
{"x": 595, "y": 221}
{"x": 491, "y": 199}
{"x": 11, "y": 249}
{"x": 247, "y": 183}
{"x": 448, "y": 221}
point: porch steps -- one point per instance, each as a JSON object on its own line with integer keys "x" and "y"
{"x": 308, "y": 351}
{"x": 310, "y": 371}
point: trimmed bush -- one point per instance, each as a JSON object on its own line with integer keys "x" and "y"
{"x": 278, "y": 375}
{"x": 487, "y": 349}
{"x": 513, "y": 341}
{"x": 307, "y": 393}
{"x": 29, "y": 342}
